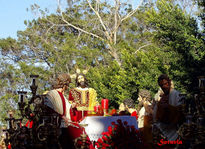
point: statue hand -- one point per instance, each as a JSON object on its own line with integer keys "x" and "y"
{"x": 74, "y": 105}
{"x": 67, "y": 121}
{"x": 164, "y": 99}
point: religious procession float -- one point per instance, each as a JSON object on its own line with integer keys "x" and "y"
{"x": 96, "y": 129}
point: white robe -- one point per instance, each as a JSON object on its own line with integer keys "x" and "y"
{"x": 142, "y": 114}
{"x": 141, "y": 118}
{"x": 168, "y": 130}
{"x": 54, "y": 101}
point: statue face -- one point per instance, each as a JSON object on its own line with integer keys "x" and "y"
{"x": 165, "y": 86}
{"x": 81, "y": 79}
{"x": 122, "y": 107}
{"x": 139, "y": 98}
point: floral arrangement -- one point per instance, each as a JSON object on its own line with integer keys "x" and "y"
{"x": 113, "y": 112}
{"x": 120, "y": 136}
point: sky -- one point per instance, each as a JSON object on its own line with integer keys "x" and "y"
{"x": 14, "y": 12}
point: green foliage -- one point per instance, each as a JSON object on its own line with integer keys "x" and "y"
{"x": 159, "y": 38}
{"x": 201, "y": 4}
{"x": 138, "y": 71}
{"x": 177, "y": 33}
{"x": 113, "y": 82}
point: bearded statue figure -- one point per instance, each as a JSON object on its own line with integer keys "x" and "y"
{"x": 83, "y": 98}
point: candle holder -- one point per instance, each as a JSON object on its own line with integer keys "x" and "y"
{"x": 34, "y": 84}
{"x": 192, "y": 131}
{"x": 21, "y": 101}
{"x": 82, "y": 142}
{"x": 6, "y": 139}
{"x": 186, "y": 131}
{"x": 104, "y": 104}
{"x": 201, "y": 83}
{"x": 97, "y": 109}
{"x": 10, "y": 121}
{"x": 200, "y": 135}
{"x": 105, "y": 112}
{"x": 45, "y": 122}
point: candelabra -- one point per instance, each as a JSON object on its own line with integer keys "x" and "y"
{"x": 82, "y": 141}
{"x": 157, "y": 134}
{"x": 21, "y": 102}
{"x": 46, "y": 125}
{"x": 45, "y": 132}
{"x": 192, "y": 131}
{"x": 200, "y": 114}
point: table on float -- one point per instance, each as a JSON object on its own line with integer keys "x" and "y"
{"x": 99, "y": 124}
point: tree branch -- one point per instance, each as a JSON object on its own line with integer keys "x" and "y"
{"x": 117, "y": 5}
{"x": 50, "y": 27}
{"x": 142, "y": 47}
{"x": 101, "y": 21}
{"x": 76, "y": 42}
{"x": 132, "y": 12}
{"x": 77, "y": 28}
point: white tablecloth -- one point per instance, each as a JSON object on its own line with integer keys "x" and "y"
{"x": 99, "y": 124}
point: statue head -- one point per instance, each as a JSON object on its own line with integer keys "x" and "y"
{"x": 129, "y": 103}
{"x": 63, "y": 80}
{"x": 165, "y": 83}
{"x": 144, "y": 95}
{"x": 81, "y": 80}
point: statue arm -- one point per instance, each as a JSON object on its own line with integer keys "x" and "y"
{"x": 70, "y": 97}
{"x": 169, "y": 114}
{"x": 92, "y": 99}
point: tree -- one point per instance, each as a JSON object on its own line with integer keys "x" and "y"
{"x": 201, "y": 4}
{"x": 125, "y": 47}
{"x": 178, "y": 35}
{"x": 81, "y": 35}
{"x": 105, "y": 20}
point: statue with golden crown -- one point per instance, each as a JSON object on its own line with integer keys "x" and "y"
{"x": 82, "y": 97}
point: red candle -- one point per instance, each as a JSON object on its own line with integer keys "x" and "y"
{"x": 104, "y": 103}
{"x": 97, "y": 109}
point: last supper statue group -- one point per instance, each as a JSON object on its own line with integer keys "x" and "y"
{"x": 79, "y": 104}
{"x": 77, "y": 120}
{"x": 85, "y": 124}
{"x": 81, "y": 101}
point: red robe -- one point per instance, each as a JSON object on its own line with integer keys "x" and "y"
{"x": 134, "y": 114}
{"x": 74, "y": 130}
{"x": 81, "y": 99}
{"x": 57, "y": 102}
{"x": 29, "y": 124}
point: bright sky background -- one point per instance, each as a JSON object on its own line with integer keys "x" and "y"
{"x": 13, "y": 13}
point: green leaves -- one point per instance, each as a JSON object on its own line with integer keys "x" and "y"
{"x": 177, "y": 33}
{"x": 159, "y": 38}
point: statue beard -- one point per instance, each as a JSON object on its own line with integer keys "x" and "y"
{"x": 82, "y": 84}
{"x": 166, "y": 91}
{"x": 66, "y": 87}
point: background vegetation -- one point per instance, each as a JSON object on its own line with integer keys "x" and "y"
{"x": 125, "y": 47}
